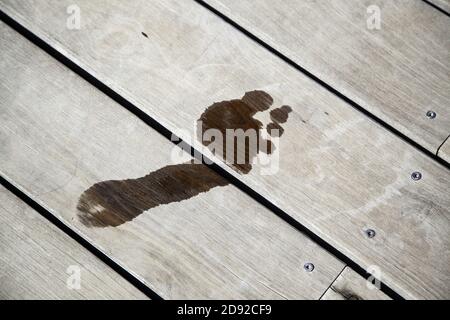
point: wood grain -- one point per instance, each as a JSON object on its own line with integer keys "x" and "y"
{"x": 36, "y": 258}
{"x": 351, "y": 286}
{"x": 59, "y": 136}
{"x": 338, "y": 173}
{"x": 398, "y": 72}
{"x": 444, "y": 151}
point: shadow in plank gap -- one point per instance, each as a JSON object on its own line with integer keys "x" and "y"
{"x": 444, "y": 150}
{"x": 388, "y": 58}
{"x": 339, "y": 176}
{"x": 351, "y": 286}
{"x": 58, "y": 140}
{"x": 39, "y": 261}
{"x": 442, "y": 5}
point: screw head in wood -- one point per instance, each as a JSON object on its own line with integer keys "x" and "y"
{"x": 416, "y": 176}
{"x": 431, "y": 114}
{"x": 309, "y": 267}
{"x": 370, "y": 233}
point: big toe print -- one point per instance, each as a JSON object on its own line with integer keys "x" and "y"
{"x": 237, "y": 116}
{"x": 114, "y": 202}
{"x": 279, "y": 115}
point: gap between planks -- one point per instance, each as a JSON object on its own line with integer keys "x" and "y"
{"x": 37, "y": 257}
{"x": 292, "y": 61}
{"x": 399, "y": 144}
{"x": 154, "y": 124}
{"x": 442, "y": 5}
{"x": 84, "y": 243}
{"x": 226, "y": 259}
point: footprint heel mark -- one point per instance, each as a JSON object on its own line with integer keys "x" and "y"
{"x": 114, "y": 202}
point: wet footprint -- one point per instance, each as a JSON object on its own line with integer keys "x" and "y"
{"x": 114, "y": 202}
{"x": 239, "y": 114}
{"x": 279, "y": 115}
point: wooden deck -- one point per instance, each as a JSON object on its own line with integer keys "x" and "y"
{"x": 357, "y": 182}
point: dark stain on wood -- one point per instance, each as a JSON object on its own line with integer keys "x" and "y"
{"x": 114, "y": 202}
{"x": 239, "y": 114}
{"x": 280, "y": 115}
{"x": 271, "y": 127}
{"x": 346, "y": 294}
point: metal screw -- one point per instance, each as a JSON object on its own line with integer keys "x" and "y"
{"x": 370, "y": 233}
{"x": 416, "y": 176}
{"x": 309, "y": 267}
{"x": 431, "y": 114}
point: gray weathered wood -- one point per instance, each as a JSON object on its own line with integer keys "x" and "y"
{"x": 59, "y": 136}
{"x": 443, "y": 4}
{"x": 444, "y": 151}
{"x": 351, "y": 286}
{"x": 398, "y": 73}
{"x": 36, "y": 260}
{"x": 339, "y": 173}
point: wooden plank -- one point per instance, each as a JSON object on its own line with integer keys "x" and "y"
{"x": 351, "y": 286}
{"x": 443, "y": 4}
{"x": 398, "y": 73}
{"x": 338, "y": 173}
{"x": 38, "y": 261}
{"x": 444, "y": 151}
{"x": 60, "y": 136}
